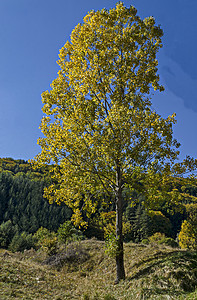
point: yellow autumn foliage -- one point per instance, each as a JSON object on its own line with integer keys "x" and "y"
{"x": 98, "y": 117}
{"x": 187, "y": 237}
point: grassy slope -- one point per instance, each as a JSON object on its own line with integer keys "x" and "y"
{"x": 153, "y": 272}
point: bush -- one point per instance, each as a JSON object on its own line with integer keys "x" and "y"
{"x": 7, "y": 232}
{"x": 145, "y": 241}
{"x": 68, "y": 233}
{"x": 46, "y": 240}
{"x": 169, "y": 242}
{"x": 21, "y": 242}
{"x": 72, "y": 253}
{"x": 41, "y": 234}
{"x": 161, "y": 239}
{"x": 187, "y": 236}
{"x": 50, "y": 245}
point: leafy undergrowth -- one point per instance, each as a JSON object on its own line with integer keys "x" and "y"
{"x": 83, "y": 271}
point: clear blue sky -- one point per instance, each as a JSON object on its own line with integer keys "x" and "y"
{"x": 33, "y": 31}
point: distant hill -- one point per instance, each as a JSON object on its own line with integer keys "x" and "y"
{"x": 15, "y": 166}
{"x": 21, "y": 197}
{"x": 22, "y": 202}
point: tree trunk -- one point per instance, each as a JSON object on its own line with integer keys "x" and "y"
{"x": 120, "y": 272}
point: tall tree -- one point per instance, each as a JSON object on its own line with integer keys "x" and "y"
{"x": 100, "y": 129}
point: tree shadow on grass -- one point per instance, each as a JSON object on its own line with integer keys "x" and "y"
{"x": 172, "y": 273}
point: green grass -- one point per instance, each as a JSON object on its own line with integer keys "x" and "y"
{"x": 85, "y": 272}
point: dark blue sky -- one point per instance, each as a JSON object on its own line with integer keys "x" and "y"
{"x": 33, "y": 31}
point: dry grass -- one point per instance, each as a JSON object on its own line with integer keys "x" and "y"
{"x": 153, "y": 272}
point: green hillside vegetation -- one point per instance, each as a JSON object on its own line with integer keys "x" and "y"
{"x": 15, "y": 166}
{"x": 21, "y": 197}
{"x": 24, "y": 210}
{"x": 83, "y": 271}
{"x": 44, "y": 256}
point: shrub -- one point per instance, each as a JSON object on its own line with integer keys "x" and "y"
{"x": 169, "y": 242}
{"x": 68, "y": 233}
{"x": 72, "y": 253}
{"x": 41, "y": 234}
{"x": 46, "y": 240}
{"x": 7, "y": 232}
{"x": 21, "y": 242}
{"x": 160, "y": 238}
{"x": 50, "y": 245}
{"x": 187, "y": 237}
{"x": 145, "y": 241}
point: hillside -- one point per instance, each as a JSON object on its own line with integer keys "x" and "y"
{"x": 22, "y": 203}
{"x": 21, "y": 197}
{"x": 153, "y": 272}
